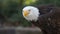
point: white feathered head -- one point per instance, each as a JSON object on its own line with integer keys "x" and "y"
{"x": 30, "y": 13}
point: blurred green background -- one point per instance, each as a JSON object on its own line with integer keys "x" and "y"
{"x": 12, "y": 9}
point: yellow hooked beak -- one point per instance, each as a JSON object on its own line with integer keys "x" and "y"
{"x": 25, "y": 13}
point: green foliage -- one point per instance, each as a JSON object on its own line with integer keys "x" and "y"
{"x": 27, "y": 2}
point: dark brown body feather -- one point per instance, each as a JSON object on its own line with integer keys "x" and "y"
{"x": 49, "y": 19}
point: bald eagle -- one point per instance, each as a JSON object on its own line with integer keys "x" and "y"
{"x": 46, "y": 17}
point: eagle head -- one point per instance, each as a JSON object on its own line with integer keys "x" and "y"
{"x": 30, "y": 13}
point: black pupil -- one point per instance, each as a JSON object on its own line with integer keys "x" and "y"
{"x": 29, "y": 10}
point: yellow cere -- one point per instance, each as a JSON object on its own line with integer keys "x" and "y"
{"x": 25, "y": 13}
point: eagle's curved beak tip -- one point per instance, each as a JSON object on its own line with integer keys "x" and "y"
{"x": 25, "y": 13}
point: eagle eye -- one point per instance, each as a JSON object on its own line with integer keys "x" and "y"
{"x": 29, "y": 10}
